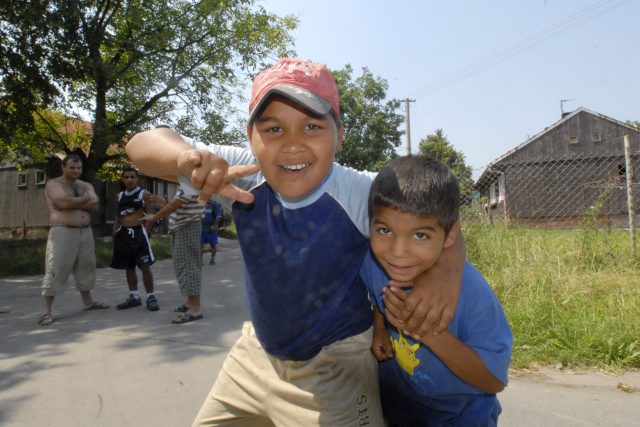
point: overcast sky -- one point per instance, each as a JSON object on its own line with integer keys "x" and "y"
{"x": 490, "y": 73}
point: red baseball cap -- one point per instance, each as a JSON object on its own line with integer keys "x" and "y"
{"x": 309, "y": 84}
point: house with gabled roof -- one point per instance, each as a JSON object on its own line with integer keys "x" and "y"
{"x": 573, "y": 168}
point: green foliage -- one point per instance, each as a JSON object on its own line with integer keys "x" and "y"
{"x": 131, "y": 64}
{"x": 370, "y": 123}
{"x": 634, "y": 123}
{"x": 229, "y": 231}
{"x": 561, "y": 309}
{"x": 437, "y": 146}
{"x": 50, "y": 130}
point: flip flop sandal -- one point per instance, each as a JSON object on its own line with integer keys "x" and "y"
{"x": 46, "y": 320}
{"x": 181, "y": 308}
{"x": 96, "y": 306}
{"x": 186, "y": 317}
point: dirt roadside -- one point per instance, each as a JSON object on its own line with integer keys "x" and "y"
{"x": 566, "y": 397}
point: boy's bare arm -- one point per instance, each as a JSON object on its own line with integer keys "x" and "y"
{"x": 156, "y": 201}
{"x": 163, "y": 153}
{"x": 459, "y": 357}
{"x": 166, "y": 210}
{"x": 463, "y": 361}
{"x": 381, "y": 346}
{"x": 431, "y": 304}
{"x": 156, "y": 152}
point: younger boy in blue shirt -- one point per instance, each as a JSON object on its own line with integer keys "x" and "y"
{"x": 451, "y": 378}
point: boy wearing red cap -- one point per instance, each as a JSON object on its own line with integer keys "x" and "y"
{"x": 304, "y": 358}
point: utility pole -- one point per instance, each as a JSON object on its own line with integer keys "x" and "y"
{"x": 408, "y": 121}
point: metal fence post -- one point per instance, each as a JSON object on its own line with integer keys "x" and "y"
{"x": 630, "y": 199}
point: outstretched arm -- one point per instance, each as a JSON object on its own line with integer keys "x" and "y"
{"x": 431, "y": 304}
{"x": 163, "y": 153}
{"x": 166, "y": 210}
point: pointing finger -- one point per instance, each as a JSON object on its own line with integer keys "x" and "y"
{"x": 236, "y": 193}
{"x": 240, "y": 171}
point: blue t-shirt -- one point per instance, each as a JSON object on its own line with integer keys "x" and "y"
{"x": 211, "y": 212}
{"x": 302, "y": 259}
{"x": 416, "y": 387}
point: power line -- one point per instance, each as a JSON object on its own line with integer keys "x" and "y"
{"x": 553, "y": 30}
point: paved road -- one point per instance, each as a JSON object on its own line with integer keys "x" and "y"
{"x": 134, "y": 368}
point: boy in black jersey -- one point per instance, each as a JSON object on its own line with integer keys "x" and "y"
{"x": 131, "y": 245}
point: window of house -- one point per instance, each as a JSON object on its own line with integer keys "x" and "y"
{"x": 23, "y": 178}
{"x": 41, "y": 177}
{"x": 171, "y": 190}
{"x": 500, "y": 188}
{"x": 573, "y": 139}
{"x": 158, "y": 188}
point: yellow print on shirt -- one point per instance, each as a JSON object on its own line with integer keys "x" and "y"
{"x": 405, "y": 352}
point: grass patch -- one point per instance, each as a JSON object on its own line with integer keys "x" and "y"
{"x": 26, "y": 257}
{"x": 569, "y": 299}
{"x": 229, "y": 232}
{"x": 571, "y": 296}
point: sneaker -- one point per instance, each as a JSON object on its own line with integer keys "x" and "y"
{"x": 129, "y": 302}
{"x": 212, "y": 262}
{"x": 152, "y": 303}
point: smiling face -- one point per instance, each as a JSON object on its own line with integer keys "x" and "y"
{"x": 294, "y": 149}
{"x": 406, "y": 244}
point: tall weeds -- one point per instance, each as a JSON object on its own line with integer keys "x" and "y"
{"x": 571, "y": 297}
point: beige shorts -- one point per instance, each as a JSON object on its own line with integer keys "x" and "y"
{"x": 337, "y": 387}
{"x": 69, "y": 250}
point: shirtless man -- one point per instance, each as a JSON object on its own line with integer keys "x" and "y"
{"x": 131, "y": 245}
{"x": 70, "y": 247}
